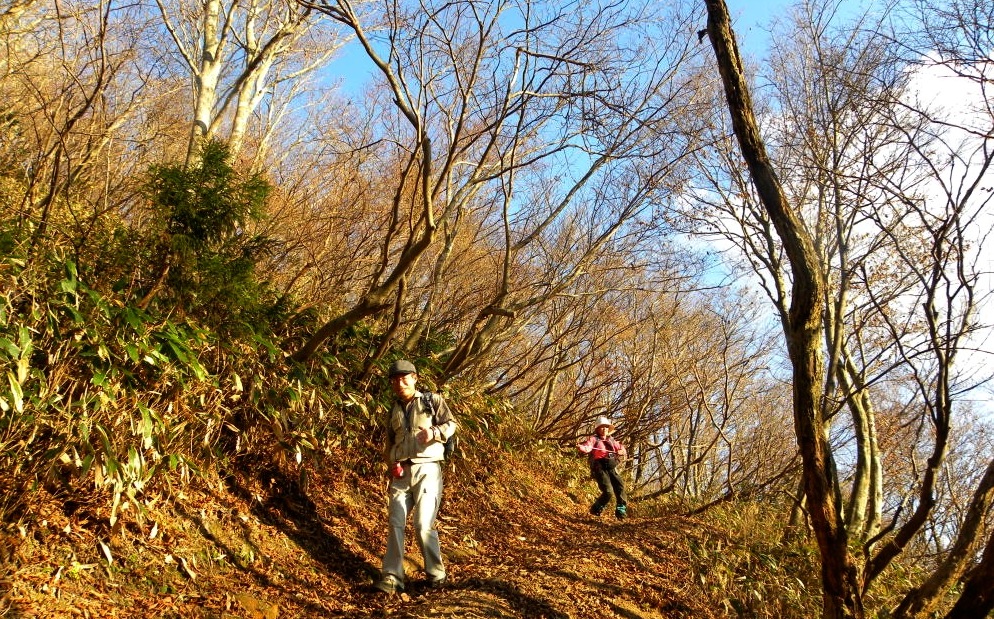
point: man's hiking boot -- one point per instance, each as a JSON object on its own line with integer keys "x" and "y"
{"x": 621, "y": 512}
{"x": 595, "y": 510}
{"x": 389, "y": 585}
{"x": 436, "y": 583}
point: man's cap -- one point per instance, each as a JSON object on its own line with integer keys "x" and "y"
{"x": 401, "y": 367}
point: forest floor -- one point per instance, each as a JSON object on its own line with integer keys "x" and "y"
{"x": 267, "y": 544}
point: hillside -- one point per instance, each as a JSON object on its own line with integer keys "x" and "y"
{"x": 274, "y": 542}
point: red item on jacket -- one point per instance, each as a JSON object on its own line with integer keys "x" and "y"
{"x": 397, "y": 471}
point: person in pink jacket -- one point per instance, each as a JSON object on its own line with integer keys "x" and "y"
{"x": 605, "y": 453}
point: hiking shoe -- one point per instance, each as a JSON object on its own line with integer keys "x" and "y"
{"x": 595, "y": 510}
{"x": 621, "y": 512}
{"x": 437, "y": 583}
{"x": 389, "y": 585}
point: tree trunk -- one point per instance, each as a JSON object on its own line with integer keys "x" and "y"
{"x": 854, "y": 398}
{"x": 977, "y": 599}
{"x": 798, "y": 521}
{"x": 921, "y": 600}
{"x": 422, "y": 325}
{"x": 840, "y": 577}
{"x": 864, "y": 512}
{"x": 207, "y": 76}
{"x": 367, "y": 306}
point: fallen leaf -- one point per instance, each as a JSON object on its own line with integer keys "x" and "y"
{"x": 186, "y": 568}
{"x": 106, "y": 551}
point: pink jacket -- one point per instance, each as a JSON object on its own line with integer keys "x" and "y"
{"x": 599, "y": 448}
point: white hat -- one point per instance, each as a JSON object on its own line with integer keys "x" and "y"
{"x": 604, "y": 421}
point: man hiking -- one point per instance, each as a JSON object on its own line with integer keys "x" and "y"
{"x": 417, "y": 430}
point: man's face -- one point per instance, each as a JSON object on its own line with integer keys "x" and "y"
{"x": 403, "y": 386}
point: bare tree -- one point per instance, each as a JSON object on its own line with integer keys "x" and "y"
{"x": 945, "y": 217}
{"x": 61, "y": 135}
{"x": 497, "y": 116}
{"x": 734, "y": 410}
{"x": 803, "y": 329}
{"x": 230, "y": 50}
{"x": 12, "y": 11}
{"x": 822, "y": 116}
{"x": 902, "y": 231}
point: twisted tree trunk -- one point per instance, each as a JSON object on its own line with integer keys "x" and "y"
{"x": 803, "y": 329}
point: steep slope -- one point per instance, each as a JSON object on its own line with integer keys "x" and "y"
{"x": 271, "y": 542}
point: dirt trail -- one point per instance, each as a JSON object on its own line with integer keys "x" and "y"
{"x": 564, "y": 567}
{"x": 536, "y": 553}
{"x": 269, "y": 544}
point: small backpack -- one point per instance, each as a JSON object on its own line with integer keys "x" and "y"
{"x": 429, "y": 402}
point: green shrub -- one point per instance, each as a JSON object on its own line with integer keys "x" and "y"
{"x": 198, "y": 253}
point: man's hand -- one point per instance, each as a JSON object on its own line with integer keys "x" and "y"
{"x": 424, "y": 435}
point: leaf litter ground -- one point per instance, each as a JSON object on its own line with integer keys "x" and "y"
{"x": 270, "y": 544}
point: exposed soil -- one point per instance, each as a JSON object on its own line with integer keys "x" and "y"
{"x": 261, "y": 546}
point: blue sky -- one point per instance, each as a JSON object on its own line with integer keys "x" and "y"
{"x": 751, "y": 20}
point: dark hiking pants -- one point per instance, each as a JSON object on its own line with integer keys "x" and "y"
{"x": 607, "y": 480}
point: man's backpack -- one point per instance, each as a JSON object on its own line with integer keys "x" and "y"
{"x": 450, "y": 443}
